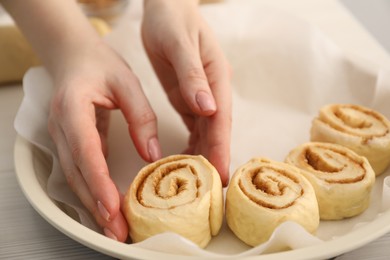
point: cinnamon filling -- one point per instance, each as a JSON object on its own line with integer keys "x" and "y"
{"x": 353, "y": 120}
{"x": 270, "y": 187}
{"x": 333, "y": 166}
{"x": 319, "y": 163}
{"x": 168, "y": 182}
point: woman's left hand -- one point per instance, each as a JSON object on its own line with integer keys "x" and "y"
{"x": 195, "y": 75}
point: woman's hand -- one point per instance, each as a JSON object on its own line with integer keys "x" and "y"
{"x": 90, "y": 79}
{"x": 194, "y": 74}
{"x": 94, "y": 81}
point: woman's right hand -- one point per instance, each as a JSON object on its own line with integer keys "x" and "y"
{"x": 94, "y": 81}
{"x": 90, "y": 79}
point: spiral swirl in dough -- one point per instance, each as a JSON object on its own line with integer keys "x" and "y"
{"x": 341, "y": 178}
{"x": 361, "y": 129}
{"x": 179, "y": 193}
{"x": 262, "y": 194}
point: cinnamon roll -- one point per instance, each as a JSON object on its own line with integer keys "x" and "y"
{"x": 341, "y": 178}
{"x": 179, "y": 193}
{"x": 361, "y": 129}
{"x": 262, "y": 194}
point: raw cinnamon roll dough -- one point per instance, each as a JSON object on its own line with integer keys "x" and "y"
{"x": 341, "y": 178}
{"x": 263, "y": 194}
{"x": 361, "y": 129}
{"x": 179, "y": 193}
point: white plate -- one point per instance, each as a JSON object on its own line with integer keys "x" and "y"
{"x": 32, "y": 170}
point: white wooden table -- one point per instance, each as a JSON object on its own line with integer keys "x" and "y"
{"x": 26, "y": 235}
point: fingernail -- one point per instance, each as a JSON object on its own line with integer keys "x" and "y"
{"x": 109, "y": 234}
{"x": 226, "y": 182}
{"x": 154, "y": 149}
{"x": 103, "y": 211}
{"x": 205, "y": 101}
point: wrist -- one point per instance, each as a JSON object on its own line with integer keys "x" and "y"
{"x": 57, "y": 30}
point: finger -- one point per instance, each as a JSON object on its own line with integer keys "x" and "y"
{"x": 117, "y": 227}
{"x": 84, "y": 150}
{"x": 168, "y": 79}
{"x": 219, "y": 124}
{"x": 193, "y": 142}
{"x": 141, "y": 119}
{"x": 218, "y": 149}
{"x": 218, "y": 141}
{"x": 194, "y": 85}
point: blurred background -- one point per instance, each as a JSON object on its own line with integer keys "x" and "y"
{"x": 374, "y": 15}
